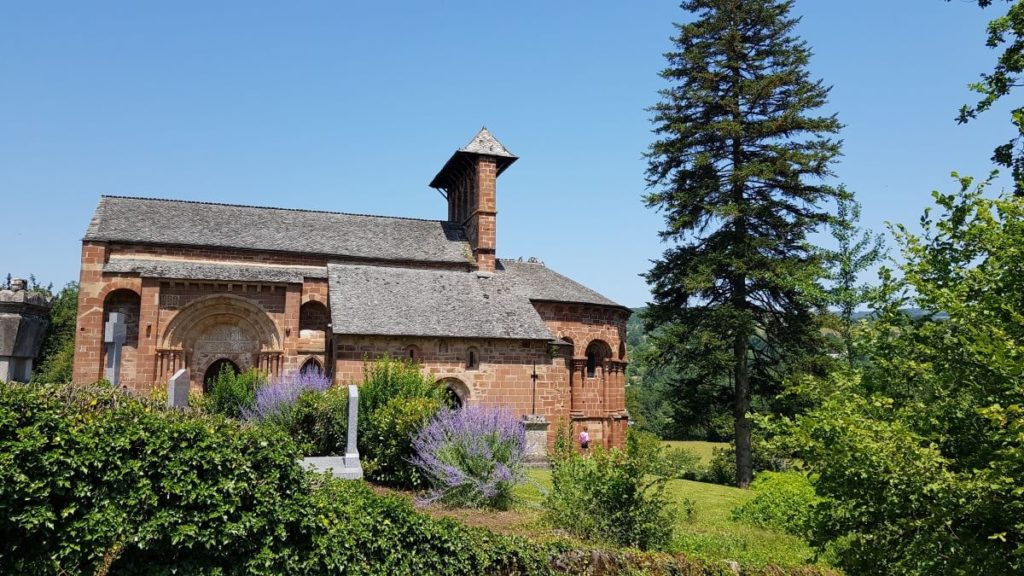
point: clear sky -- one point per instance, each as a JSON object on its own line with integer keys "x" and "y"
{"x": 354, "y": 106}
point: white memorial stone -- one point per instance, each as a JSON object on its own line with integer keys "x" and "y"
{"x": 177, "y": 389}
{"x": 347, "y": 466}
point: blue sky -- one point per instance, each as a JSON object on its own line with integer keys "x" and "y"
{"x": 354, "y": 107}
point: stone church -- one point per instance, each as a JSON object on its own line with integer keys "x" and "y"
{"x": 201, "y": 285}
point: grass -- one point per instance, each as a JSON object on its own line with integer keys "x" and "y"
{"x": 701, "y": 448}
{"x": 709, "y": 533}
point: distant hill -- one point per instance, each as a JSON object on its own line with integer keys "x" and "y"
{"x": 914, "y": 313}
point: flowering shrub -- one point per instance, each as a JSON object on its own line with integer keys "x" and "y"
{"x": 276, "y": 398}
{"x": 473, "y": 456}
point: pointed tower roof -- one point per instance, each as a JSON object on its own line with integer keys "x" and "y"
{"x": 483, "y": 144}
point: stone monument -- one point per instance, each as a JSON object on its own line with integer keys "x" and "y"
{"x": 177, "y": 389}
{"x": 115, "y": 333}
{"x": 347, "y": 466}
{"x": 24, "y": 318}
{"x": 536, "y": 438}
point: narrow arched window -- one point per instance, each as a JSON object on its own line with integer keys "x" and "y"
{"x": 472, "y": 359}
{"x": 597, "y": 352}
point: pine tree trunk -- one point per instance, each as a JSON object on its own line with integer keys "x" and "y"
{"x": 744, "y": 459}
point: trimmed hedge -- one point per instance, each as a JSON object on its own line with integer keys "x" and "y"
{"x": 93, "y": 481}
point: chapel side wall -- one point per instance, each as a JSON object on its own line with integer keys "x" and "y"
{"x": 599, "y": 403}
{"x": 501, "y": 379}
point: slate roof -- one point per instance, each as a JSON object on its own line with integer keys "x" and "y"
{"x": 536, "y": 281}
{"x": 483, "y": 144}
{"x": 391, "y": 301}
{"x": 332, "y": 234}
{"x": 378, "y": 300}
{"x": 192, "y": 270}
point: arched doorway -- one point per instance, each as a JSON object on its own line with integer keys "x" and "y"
{"x": 312, "y": 366}
{"x": 215, "y": 368}
{"x": 224, "y": 327}
{"x": 126, "y": 302}
{"x": 456, "y": 392}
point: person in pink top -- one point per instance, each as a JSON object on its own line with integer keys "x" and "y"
{"x": 585, "y": 440}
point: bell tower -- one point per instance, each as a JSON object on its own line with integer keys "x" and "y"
{"x": 469, "y": 182}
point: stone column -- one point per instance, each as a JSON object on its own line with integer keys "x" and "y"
{"x": 577, "y": 372}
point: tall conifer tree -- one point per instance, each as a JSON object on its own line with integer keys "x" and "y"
{"x": 737, "y": 170}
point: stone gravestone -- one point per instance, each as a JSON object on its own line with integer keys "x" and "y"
{"x": 536, "y": 438}
{"x": 347, "y": 466}
{"x": 115, "y": 334}
{"x": 177, "y": 389}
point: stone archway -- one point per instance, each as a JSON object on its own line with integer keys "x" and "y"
{"x": 456, "y": 392}
{"x": 223, "y": 328}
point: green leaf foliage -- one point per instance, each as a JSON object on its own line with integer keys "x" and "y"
{"x": 737, "y": 171}
{"x": 610, "y": 495}
{"x": 57, "y": 354}
{"x": 1005, "y": 32}
{"x": 782, "y": 501}
{"x": 230, "y": 393}
{"x": 857, "y": 251}
{"x": 396, "y": 400}
{"x": 918, "y": 455}
{"x": 91, "y": 480}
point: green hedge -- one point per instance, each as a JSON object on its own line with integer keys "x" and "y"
{"x": 93, "y": 481}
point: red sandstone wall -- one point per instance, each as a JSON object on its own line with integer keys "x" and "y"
{"x": 501, "y": 379}
{"x": 597, "y": 402}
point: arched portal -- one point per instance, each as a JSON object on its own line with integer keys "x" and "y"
{"x": 224, "y": 328}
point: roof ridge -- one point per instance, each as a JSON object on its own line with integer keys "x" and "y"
{"x": 206, "y": 203}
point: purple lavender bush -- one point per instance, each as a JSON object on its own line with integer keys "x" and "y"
{"x": 276, "y": 398}
{"x": 472, "y": 456}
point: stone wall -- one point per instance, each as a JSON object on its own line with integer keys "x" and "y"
{"x": 175, "y": 324}
{"x": 24, "y": 318}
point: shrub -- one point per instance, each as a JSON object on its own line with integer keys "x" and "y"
{"x": 472, "y": 456}
{"x": 782, "y": 501}
{"x": 609, "y": 495}
{"x": 92, "y": 478}
{"x": 319, "y": 422}
{"x": 232, "y": 394}
{"x": 722, "y": 468}
{"x": 679, "y": 462}
{"x": 274, "y": 400}
{"x": 355, "y": 531}
{"x": 395, "y": 401}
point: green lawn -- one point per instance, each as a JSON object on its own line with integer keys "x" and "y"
{"x": 710, "y": 533}
{"x": 703, "y": 449}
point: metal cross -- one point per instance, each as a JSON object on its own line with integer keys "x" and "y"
{"x": 534, "y": 378}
